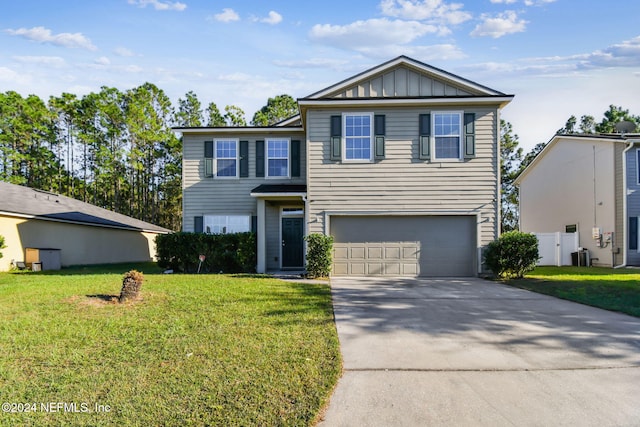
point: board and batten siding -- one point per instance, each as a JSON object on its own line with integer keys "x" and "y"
{"x": 225, "y": 196}
{"x": 401, "y": 182}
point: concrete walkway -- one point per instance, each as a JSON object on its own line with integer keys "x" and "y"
{"x": 469, "y": 352}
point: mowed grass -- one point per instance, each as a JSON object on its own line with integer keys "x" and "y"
{"x": 616, "y": 290}
{"x": 195, "y": 350}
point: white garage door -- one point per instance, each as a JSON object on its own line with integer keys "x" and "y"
{"x": 404, "y": 245}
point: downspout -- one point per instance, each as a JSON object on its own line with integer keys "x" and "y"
{"x": 625, "y": 218}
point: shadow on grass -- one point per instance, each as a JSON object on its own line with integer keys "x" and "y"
{"x": 105, "y": 298}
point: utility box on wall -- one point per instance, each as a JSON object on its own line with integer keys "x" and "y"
{"x": 48, "y": 258}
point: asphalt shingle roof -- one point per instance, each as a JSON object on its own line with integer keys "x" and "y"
{"x": 20, "y": 200}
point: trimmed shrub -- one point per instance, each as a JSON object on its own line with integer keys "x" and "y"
{"x": 319, "y": 259}
{"x": 131, "y": 284}
{"x": 224, "y": 253}
{"x": 512, "y": 255}
{"x": 2, "y": 245}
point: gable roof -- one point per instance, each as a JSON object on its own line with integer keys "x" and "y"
{"x": 574, "y": 137}
{"x": 20, "y": 201}
{"x": 404, "y": 77}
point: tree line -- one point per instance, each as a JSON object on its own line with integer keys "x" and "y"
{"x": 114, "y": 149}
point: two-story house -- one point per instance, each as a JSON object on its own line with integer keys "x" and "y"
{"x": 590, "y": 185}
{"x": 400, "y": 164}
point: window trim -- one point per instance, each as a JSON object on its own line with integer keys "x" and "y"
{"x": 216, "y": 158}
{"x": 208, "y": 219}
{"x": 267, "y": 158}
{"x": 371, "y": 137}
{"x": 434, "y": 155}
{"x": 638, "y": 166}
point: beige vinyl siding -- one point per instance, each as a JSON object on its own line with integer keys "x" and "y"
{"x": 401, "y": 182}
{"x": 217, "y": 196}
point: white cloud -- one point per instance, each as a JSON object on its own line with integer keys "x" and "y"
{"x": 537, "y": 2}
{"x": 312, "y": 63}
{"x": 13, "y": 77}
{"x": 50, "y": 61}
{"x": 372, "y": 33}
{"x": 123, "y": 51}
{"x": 625, "y": 54}
{"x": 103, "y": 60}
{"x": 503, "y": 1}
{"x": 160, "y": 5}
{"x": 44, "y": 35}
{"x": 227, "y": 15}
{"x": 499, "y": 25}
{"x": 273, "y": 18}
{"x": 431, "y": 11}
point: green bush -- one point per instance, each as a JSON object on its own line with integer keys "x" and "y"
{"x": 512, "y": 255}
{"x": 319, "y": 258}
{"x": 226, "y": 253}
{"x": 2, "y": 245}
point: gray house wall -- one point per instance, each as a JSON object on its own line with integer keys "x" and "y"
{"x": 402, "y": 182}
{"x": 221, "y": 196}
{"x": 633, "y": 199}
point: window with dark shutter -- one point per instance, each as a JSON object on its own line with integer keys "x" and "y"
{"x": 633, "y": 233}
{"x": 244, "y": 159}
{"x": 295, "y": 158}
{"x": 424, "y": 143}
{"x": 336, "y": 137}
{"x": 379, "y": 133}
{"x": 259, "y": 159}
{"x": 198, "y": 224}
{"x": 208, "y": 159}
{"x": 469, "y": 135}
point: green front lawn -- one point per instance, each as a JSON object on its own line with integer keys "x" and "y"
{"x": 616, "y": 290}
{"x": 195, "y": 350}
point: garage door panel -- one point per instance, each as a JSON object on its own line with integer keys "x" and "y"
{"x": 404, "y": 245}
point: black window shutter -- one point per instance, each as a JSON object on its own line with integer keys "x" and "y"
{"x": 208, "y": 159}
{"x": 254, "y": 224}
{"x": 469, "y": 135}
{"x": 198, "y": 224}
{"x": 379, "y": 132}
{"x": 244, "y": 159}
{"x": 633, "y": 232}
{"x": 424, "y": 143}
{"x": 336, "y": 137}
{"x": 259, "y": 158}
{"x": 295, "y": 158}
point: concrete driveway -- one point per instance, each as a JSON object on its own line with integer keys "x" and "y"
{"x": 470, "y": 352}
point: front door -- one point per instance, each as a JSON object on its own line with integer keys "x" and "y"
{"x": 292, "y": 245}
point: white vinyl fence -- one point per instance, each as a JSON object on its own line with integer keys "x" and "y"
{"x": 556, "y": 248}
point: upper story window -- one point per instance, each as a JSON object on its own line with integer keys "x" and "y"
{"x": 277, "y": 158}
{"x": 226, "y": 158}
{"x": 358, "y": 137}
{"x": 447, "y": 135}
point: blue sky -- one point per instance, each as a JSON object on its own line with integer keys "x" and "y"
{"x": 558, "y": 57}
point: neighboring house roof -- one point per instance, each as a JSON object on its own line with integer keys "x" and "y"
{"x": 575, "y": 137}
{"x": 21, "y": 201}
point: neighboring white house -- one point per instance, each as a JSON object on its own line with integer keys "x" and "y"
{"x": 581, "y": 183}
{"x": 76, "y": 232}
{"x": 398, "y": 163}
